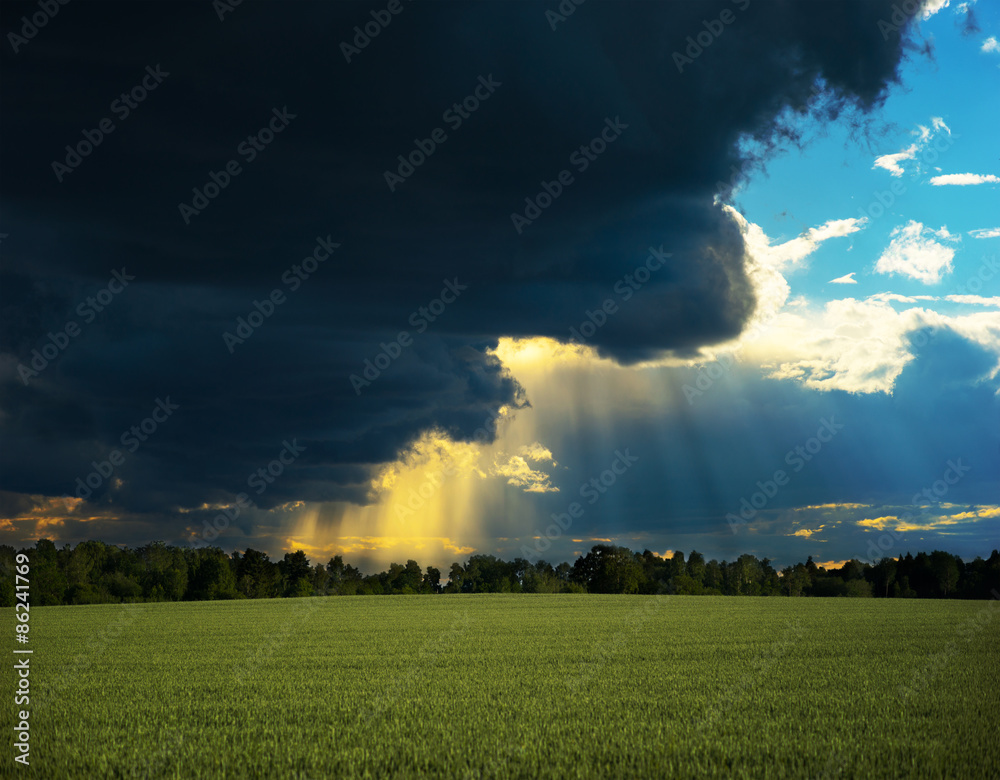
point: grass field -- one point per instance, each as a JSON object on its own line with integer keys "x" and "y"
{"x": 517, "y": 686}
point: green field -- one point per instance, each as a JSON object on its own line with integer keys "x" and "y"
{"x": 516, "y": 686}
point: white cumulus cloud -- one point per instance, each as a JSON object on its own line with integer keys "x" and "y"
{"x": 537, "y": 452}
{"x": 792, "y": 252}
{"x": 857, "y": 346}
{"x": 914, "y": 253}
{"x": 964, "y": 179}
{"x": 931, "y": 7}
{"x": 890, "y": 297}
{"x": 976, "y": 300}
{"x": 891, "y": 162}
{"x": 861, "y": 346}
{"x": 985, "y": 233}
{"x": 846, "y": 279}
{"x": 518, "y": 473}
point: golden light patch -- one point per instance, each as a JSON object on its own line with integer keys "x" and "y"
{"x": 436, "y": 491}
{"x": 878, "y": 523}
{"x": 433, "y": 456}
{"x": 806, "y": 532}
{"x": 537, "y": 452}
{"x": 981, "y": 513}
{"x": 400, "y": 546}
{"x": 290, "y": 506}
{"x": 539, "y": 351}
{"x": 46, "y": 514}
{"x": 816, "y": 507}
{"x": 43, "y": 524}
{"x": 49, "y": 507}
{"x": 831, "y": 564}
{"x": 203, "y": 508}
{"x": 518, "y": 473}
{"x": 941, "y": 522}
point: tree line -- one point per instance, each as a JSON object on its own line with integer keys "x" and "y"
{"x": 97, "y": 573}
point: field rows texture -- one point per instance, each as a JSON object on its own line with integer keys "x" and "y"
{"x": 517, "y": 686}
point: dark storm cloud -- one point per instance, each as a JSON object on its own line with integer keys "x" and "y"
{"x": 670, "y": 137}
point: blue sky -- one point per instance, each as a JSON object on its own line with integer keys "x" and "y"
{"x": 833, "y": 177}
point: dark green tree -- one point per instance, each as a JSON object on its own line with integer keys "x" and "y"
{"x": 885, "y": 574}
{"x": 608, "y": 569}
{"x": 296, "y": 574}
{"x": 696, "y": 567}
{"x": 431, "y": 581}
{"x": 48, "y": 580}
{"x": 212, "y": 575}
{"x": 257, "y": 577}
{"x": 945, "y": 567}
